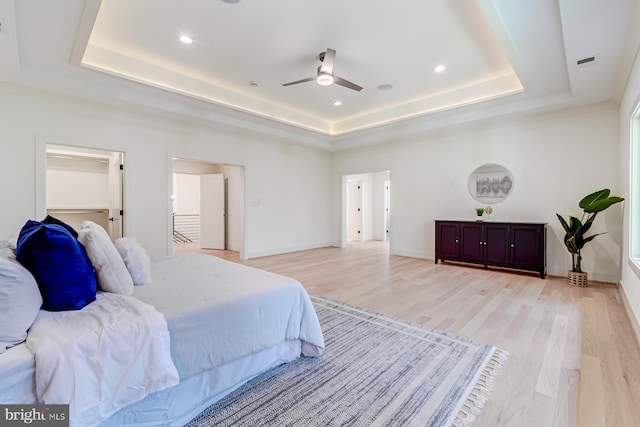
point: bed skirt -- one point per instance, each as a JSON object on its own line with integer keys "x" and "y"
{"x": 178, "y": 405}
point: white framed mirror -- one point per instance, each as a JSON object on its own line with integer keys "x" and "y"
{"x": 490, "y": 183}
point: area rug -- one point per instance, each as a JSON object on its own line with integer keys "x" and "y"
{"x": 375, "y": 371}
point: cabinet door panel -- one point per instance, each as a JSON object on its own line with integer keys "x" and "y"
{"x": 496, "y": 247}
{"x": 472, "y": 244}
{"x": 448, "y": 241}
{"x": 525, "y": 252}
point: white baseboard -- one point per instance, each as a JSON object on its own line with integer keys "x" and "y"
{"x": 411, "y": 254}
{"x": 630, "y": 314}
{"x": 258, "y": 254}
{"x": 232, "y": 246}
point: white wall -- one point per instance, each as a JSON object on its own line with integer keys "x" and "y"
{"x": 630, "y": 280}
{"x": 293, "y": 194}
{"x": 77, "y": 184}
{"x": 287, "y": 187}
{"x": 555, "y": 159}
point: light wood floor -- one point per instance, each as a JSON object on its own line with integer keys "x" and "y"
{"x": 574, "y": 360}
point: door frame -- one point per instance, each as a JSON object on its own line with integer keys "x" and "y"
{"x": 242, "y": 250}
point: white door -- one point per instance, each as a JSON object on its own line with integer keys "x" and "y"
{"x": 387, "y": 209}
{"x": 212, "y": 211}
{"x": 116, "y": 218}
{"x": 354, "y": 210}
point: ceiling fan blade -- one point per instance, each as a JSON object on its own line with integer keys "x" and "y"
{"x": 346, "y": 83}
{"x": 327, "y": 62}
{"x": 308, "y": 79}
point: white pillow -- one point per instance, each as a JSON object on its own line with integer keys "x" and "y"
{"x": 136, "y": 259}
{"x": 8, "y": 248}
{"x": 20, "y": 302}
{"x": 113, "y": 275}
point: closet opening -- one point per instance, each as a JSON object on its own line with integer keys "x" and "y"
{"x": 85, "y": 184}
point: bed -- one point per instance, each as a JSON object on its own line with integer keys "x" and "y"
{"x": 273, "y": 314}
{"x": 227, "y": 323}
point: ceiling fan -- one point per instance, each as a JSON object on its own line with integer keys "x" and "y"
{"x": 325, "y": 76}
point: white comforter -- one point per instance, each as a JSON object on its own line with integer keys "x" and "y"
{"x": 219, "y": 311}
{"x": 113, "y": 352}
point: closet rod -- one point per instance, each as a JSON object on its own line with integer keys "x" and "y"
{"x": 77, "y": 211}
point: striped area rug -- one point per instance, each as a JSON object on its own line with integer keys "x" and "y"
{"x": 375, "y": 371}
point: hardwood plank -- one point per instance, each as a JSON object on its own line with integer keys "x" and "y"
{"x": 591, "y": 399}
{"x": 549, "y": 377}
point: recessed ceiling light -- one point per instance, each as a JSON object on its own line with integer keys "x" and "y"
{"x": 439, "y": 68}
{"x": 337, "y": 103}
{"x": 385, "y": 86}
{"x": 186, "y": 39}
{"x": 231, "y": 1}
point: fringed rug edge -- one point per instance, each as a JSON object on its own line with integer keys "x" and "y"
{"x": 478, "y": 392}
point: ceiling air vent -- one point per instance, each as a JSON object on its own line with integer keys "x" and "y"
{"x": 585, "y": 60}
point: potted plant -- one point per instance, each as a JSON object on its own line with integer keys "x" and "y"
{"x": 479, "y": 213}
{"x": 576, "y": 229}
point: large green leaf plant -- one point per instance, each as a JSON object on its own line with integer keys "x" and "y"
{"x": 575, "y": 228}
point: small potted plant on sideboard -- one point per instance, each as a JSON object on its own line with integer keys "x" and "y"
{"x": 575, "y": 230}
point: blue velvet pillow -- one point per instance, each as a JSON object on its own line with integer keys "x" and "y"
{"x": 53, "y": 220}
{"x": 59, "y": 264}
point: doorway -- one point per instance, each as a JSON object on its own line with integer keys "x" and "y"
{"x": 366, "y": 207}
{"x": 83, "y": 184}
{"x": 207, "y": 206}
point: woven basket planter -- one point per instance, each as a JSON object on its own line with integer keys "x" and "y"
{"x": 578, "y": 279}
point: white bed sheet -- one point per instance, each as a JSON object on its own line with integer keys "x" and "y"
{"x": 17, "y": 370}
{"x": 218, "y": 311}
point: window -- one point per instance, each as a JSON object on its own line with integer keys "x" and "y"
{"x": 634, "y": 191}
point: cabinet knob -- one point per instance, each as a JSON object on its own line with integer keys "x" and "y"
{"x": 512, "y": 245}
{"x": 456, "y": 240}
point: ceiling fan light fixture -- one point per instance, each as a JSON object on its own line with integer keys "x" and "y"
{"x": 325, "y": 79}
